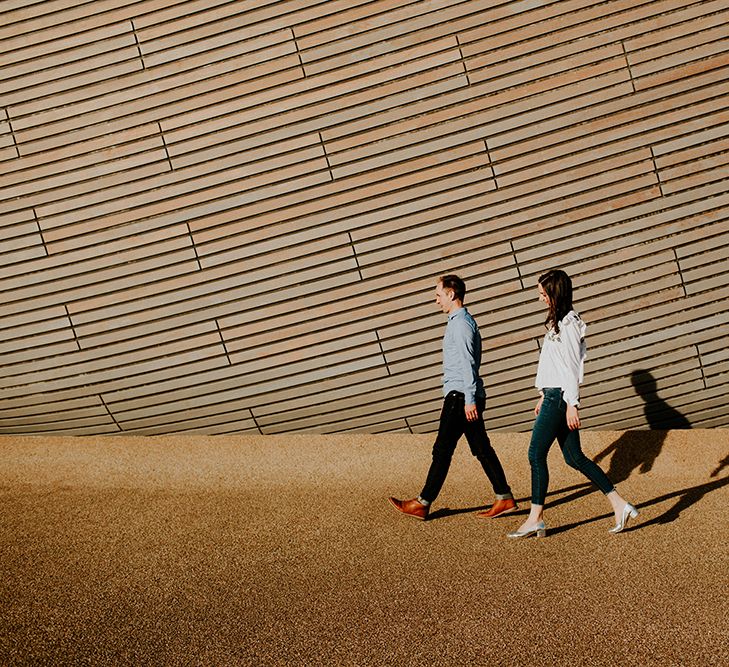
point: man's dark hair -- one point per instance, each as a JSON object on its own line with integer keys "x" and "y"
{"x": 456, "y": 284}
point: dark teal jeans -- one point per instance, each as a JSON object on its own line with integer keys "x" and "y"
{"x": 551, "y": 424}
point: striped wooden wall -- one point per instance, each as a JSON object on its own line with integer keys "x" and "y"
{"x": 222, "y": 216}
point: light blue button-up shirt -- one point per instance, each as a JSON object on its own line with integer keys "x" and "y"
{"x": 462, "y": 356}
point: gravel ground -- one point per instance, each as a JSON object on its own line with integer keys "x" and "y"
{"x": 284, "y": 551}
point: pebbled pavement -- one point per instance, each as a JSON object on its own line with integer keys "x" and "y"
{"x": 283, "y": 550}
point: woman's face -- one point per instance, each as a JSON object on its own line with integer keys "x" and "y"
{"x": 542, "y": 294}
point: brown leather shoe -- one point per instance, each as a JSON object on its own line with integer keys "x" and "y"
{"x": 411, "y": 507}
{"x": 499, "y": 507}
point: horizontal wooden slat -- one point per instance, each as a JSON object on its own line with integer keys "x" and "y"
{"x": 177, "y": 185}
{"x": 223, "y": 217}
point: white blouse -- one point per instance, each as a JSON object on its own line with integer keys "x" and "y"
{"x": 562, "y": 359}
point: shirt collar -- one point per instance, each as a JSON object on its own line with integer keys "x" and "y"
{"x": 457, "y": 312}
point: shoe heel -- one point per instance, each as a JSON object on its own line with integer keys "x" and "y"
{"x": 542, "y": 532}
{"x": 628, "y": 512}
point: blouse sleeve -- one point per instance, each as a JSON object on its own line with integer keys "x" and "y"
{"x": 572, "y": 330}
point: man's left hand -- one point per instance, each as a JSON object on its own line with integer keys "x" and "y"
{"x": 471, "y": 413}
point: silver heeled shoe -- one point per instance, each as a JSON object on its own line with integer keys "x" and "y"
{"x": 540, "y": 530}
{"x": 628, "y": 512}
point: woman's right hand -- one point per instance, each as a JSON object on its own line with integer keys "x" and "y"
{"x": 538, "y": 406}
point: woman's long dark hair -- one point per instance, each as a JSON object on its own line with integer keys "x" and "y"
{"x": 558, "y": 287}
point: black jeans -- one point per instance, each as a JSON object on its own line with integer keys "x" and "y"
{"x": 453, "y": 424}
{"x": 551, "y": 423}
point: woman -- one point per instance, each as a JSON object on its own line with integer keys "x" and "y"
{"x": 559, "y": 374}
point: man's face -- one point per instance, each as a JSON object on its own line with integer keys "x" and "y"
{"x": 443, "y": 297}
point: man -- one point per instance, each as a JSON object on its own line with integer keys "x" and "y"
{"x": 463, "y": 408}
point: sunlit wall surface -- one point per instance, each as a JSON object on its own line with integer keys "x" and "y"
{"x": 229, "y": 216}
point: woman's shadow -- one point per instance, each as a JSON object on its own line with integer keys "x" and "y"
{"x": 659, "y": 414}
{"x": 638, "y": 451}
